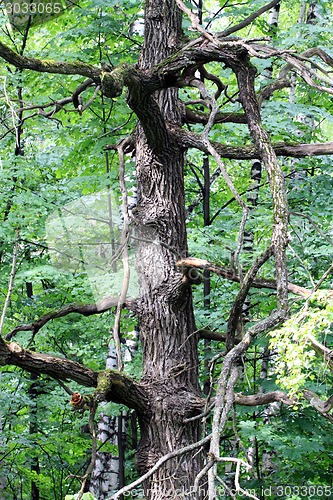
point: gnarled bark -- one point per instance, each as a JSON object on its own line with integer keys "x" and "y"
{"x": 165, "y": 315}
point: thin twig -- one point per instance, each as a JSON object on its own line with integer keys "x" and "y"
{"x": 211, "y": 150}
{"x": 65, "y": 387}
{"x": 248, "y": 20}
{"x": 92, "y": 429}
{"x": 302, "y": 263}
{"x": 324, "y": 276}
{"x": 124, "y": 239}
{"x": 14, "y": 115}
{"x": 195, "y": 22}
{"x": 10, "y": 282}
{"x": 92, "y": 98}
{"x": 314, "y": 224}
{"x": 159, "y": 464}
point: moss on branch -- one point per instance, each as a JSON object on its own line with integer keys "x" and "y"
{"x": 110, "y": 384}
{"x": 115, "y": 386}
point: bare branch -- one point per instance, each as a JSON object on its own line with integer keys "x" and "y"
{"x": 192, "y": 140}
{"x": 267, "y": 91}
{"x": 283, "y": 81}
{"x": 195, "y": 21}
{"x": 159, "y": 464}
{"x": 237, "y": 484}
{"x": 230, "y": 274}
{"x": 242, "y": 294}
{"x": 324, "y": 276}
{"x": 212, "y": 151}
{"x": 298, "y": 62}
{"x": 204, "y": 333}
{"x": 110, "y": 385}
{"x": 90, "y": 101}
{"x": 198, "y": 117}
{"x": 303, "y": 264}
{"x": 323, "y": 407}
{"x": 317, "y": 228}
{"x": 85, "y": 309}
{"x": 228, "y": 378}
{"x": 59, "y": 368}
{"x": 223, "y": 404}
{"x": 306, "y": 57}
{"x": 124, "y": 240}
{"x": 111, "y": 82}
{"x": 48, "y": 66}
{"x": 10, "y": 282}
{"x": 92, "y": 413}
{"x": 245, "y": 73}
{"x": 59, "y": 104}
{"x": 65, "y": 387}
{"x": 264, "y": 399}
{"x": 321, "y": 349}
{"x": 210, "y": 463}
{"x": 248, "y": 20}
{"x": 258, "y": 399}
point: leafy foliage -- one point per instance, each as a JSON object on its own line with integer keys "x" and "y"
{"x": 63, "y": 159}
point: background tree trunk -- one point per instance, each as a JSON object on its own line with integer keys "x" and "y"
{"x": 105, "y": 478}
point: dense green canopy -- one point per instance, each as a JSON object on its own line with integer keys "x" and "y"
{"x": 71, "y": 95}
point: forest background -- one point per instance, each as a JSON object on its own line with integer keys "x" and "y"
{"x": 246, "y": 379}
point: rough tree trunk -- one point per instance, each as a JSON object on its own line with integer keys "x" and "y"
{"x": 166, "y": 314}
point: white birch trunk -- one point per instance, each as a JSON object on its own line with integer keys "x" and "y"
{"x": 105, "y": 478}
